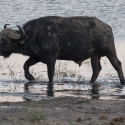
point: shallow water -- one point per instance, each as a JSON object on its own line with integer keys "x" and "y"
{"x": 12, "y": 81}
{"x": 41, "y": 90}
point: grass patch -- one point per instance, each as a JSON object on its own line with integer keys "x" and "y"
{"x": 34, "y": 114}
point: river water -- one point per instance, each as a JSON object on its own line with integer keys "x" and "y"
{"x": 18, "y": 12}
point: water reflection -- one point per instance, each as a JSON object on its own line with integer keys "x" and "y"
{"x": 26, "y": 87}
{"x": 42, "y": 90}
{"x": 39, "y": 96}
{"x": 50, "y": 91}
{"x": 119, "y": 91}
{"x": 95, "y": 91}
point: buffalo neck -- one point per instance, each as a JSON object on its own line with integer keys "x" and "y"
{"x": 24, "y": 49}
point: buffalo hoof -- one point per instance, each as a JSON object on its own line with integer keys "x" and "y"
{"x": 29, "y": 77}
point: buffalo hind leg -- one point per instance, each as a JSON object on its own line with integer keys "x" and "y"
{"x": 96, "y": 67}
{"x": 117, "y": 65}
{"x": 31, "y": 61}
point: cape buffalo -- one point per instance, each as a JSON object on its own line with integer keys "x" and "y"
{"x": 65, "y": 38}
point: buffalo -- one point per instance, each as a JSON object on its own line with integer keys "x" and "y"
{"x": 47, "y": 39}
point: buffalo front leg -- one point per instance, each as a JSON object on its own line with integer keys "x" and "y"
{"x": 31, "y": 61}
{"x": 96, "y": 67}
{"x": 50, "y": 61}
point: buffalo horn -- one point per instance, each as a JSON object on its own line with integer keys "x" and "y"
{"x": 5, "y": 26}
{"x": 22, "y": 32}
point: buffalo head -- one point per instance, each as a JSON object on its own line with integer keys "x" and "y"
{"x": 8, "y": 38}
{"x": 12, "y": 34}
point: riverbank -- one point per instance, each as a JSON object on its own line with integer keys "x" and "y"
{"x": 63, "y": 111}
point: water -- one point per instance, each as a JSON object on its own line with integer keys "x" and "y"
{"x": 18, "y": 12}
{"x": 41, "y": 90}
{"x": 112, "y": 12}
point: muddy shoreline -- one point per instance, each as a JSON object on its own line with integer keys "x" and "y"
{"x": 63, "y": 111}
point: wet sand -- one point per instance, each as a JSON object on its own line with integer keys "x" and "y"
{"x": 63, "y": 111}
